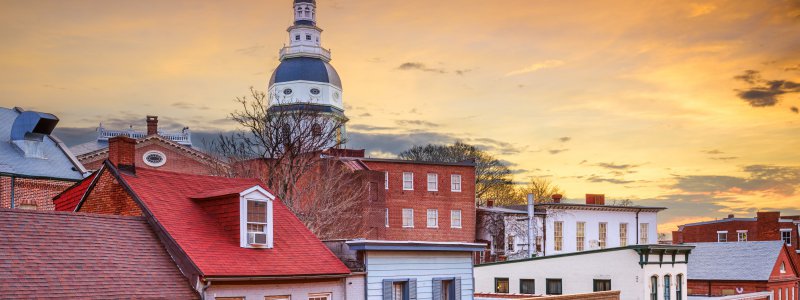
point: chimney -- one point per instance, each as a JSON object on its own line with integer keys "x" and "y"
{"x": 557, "y": 198}
{"x": 152, "y": 125}
{"x": 490, "y": 203}
{"x": 596, "y": 199}
{"x": 122, "y": 153}
{"x": 730, "y": 216}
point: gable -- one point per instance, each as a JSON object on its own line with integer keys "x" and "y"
{"x": 788, "y": 267}
{"x": 110, "y": 198}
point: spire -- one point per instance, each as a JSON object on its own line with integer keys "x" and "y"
{"x": 304, "y": 35}
{"x": 305, "y": 12}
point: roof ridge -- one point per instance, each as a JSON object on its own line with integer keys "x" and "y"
{"x": 76, "y": 214}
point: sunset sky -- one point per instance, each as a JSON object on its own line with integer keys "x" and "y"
{"x": 691, "y": 105}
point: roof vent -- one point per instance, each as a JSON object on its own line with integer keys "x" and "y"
{"x": 29, "y": 130}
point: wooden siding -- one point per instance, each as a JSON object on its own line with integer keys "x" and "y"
{"x": 423, "y": 266}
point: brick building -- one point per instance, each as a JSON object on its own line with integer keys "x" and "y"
{"x": 743, "y": 268}
{"x": 766, "y": 226}
{"x": 34, "y": 165}
{"x": 155, "y": 149}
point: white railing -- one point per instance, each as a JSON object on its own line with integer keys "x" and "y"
{"x": 298, "y": 50}
{"x": 183, "y": 138}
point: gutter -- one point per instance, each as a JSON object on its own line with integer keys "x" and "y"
{"x": 13, "y": 183}
{"x": 12, "y": 175}
{"x": 270, "y": 278}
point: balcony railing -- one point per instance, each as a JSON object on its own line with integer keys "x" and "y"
{"x": 293, "y": 51}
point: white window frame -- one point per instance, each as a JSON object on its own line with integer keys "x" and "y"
{"x": 580, "y": 236}
{"x": 154, "y": 152}
{"x": 433, "y": 182}
{"x": 455, "y": 183}
{"x": 602, "y": 234}
{"x": 408, "y": 177}
{"x": 739, "y": 234}
{"x": 623, "y": 234}
{"x": 386, "y": 180}
{"x": 255, "y": 193}
{"x": 408, "y": 212}
{"x": 558, "y": 236}
{"x": 280, "y": 297}
{"x": 644, "y": 233}
{"x": 435, "y": 218}
{"x": 327, "y": 296}
{"x": 725, "y": 232}
{"x": 455, "y": 215}
{"x": 789, "y": 231}
{"x": 387, "y": 217}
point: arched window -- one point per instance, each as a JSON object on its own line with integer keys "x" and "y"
{"x": 308, "y": 12}
{"x": 654, "y": 287}
{"x": 679, "y": 287}
{"x": 667, "y": 285}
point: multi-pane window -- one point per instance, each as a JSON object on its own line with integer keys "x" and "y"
{"x": 455, "y": 218}
{"x": 741, "y": 235}
{"x": 256, "y": 217}
{"x": 282, "y": 297}
{"x": 387, "y": 218}
{"x": 786, "y": 236}
{"x": 319, "y": 296}
{"x": 399, "y": 290}
{"x": 722, "y": 236}
{"x": 644, "y": 230}
{"x": 580, "y": 238}
{"x": 386, "y": 180}
{"x": 511, "y": 243}
{"x": 679, "y": 287}
{"x": 447, "y": 290}
{"x": 455, "y": 183}
{"x": 433, "y": 218}
{"x": 408, "y": 217}
{"x": 501, "y": 285}
{"x": 654, "y": 288}
{"x": 527, "y": 286}
{"x": 433, "y": 182}
{"x": 623, "y": 234}
{"x": 408, "y": 181}
{"x": 553, "y": 286}
{"x": 601, "y": 285}
{"x": 667, "y": 285}
{"x": 602, "y": 235}
{"x": 558, "y": 234}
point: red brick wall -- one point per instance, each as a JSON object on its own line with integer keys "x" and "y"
{"x": 719, "y": 288}
{"x": 177, "y": 161}
{"x": 108, "y": 197}
{"x": 36, "y": 193}
{"x": 420, "y": 199}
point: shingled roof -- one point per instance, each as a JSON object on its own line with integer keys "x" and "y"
{"x": 75, "y": 255}
{"x": 734, "y": 260}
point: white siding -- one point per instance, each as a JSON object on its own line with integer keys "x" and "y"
{"x": 421, "y": 265}
{"x": 298, "y": 291}
{"x": 593, "y": 219}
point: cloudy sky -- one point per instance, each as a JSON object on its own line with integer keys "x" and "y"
{"x": 692, "y": 105}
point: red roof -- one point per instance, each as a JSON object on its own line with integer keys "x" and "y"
{"x": 63, "y": 255}
{"x": 69, "y": 198}
{"x": 168, "y": 196}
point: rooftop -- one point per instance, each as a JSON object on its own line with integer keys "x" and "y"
{"x": 734, "y": 260}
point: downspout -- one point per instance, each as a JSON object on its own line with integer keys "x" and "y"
{"x": 205, "y": 287}
{"x": 544, "y": 234}
{"x": 13, "y": 183}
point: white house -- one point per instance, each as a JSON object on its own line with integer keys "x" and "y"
{"x": 565, "y": 228}
{"x": 410, "y": 270}
{"x": 639, "y": 272}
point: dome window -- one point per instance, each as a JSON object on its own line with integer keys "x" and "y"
{"x": 308, "y": 37}
{"x": 315, "y": 91}
{"x": 287, "y": 92}
{"x": 154, "y": 158}
{"x": 297, "y": 37}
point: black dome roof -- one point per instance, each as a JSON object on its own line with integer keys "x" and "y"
{"x": 305, "y": 1}
{"x": 305, "y": 68}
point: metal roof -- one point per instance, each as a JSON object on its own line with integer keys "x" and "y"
{"x": 307, "y": 69}
{"x": 57, "y": 162}
{"x": 734, "y": 260}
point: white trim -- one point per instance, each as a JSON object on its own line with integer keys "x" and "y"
{"x": 428, "y": 218}
{"x": 453, "y": 182}
{"x": 435, "y": 186}
{"x": 722, "y": 231}
{"x": 460, "y": 218}
{"x": 741, "y": 231}
{"x": 412, "y": 181}
{"x": 387, "y": 217}
{"x": 255, "y": 193}
{"x": 786, "y": 229}
{"x": 386, "y": 180}
{"x": 156, "y": 152}
{"x": 411, "y": 210}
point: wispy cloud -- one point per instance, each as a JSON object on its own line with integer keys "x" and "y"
{"x": 762, "y": 92}
{"x": 417, "y": 66}
{"x": 416, "y": 123}
{"x": 697, "y": 9}
{"x": 536, "y": 67}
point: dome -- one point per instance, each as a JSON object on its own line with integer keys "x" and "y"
{"x": 307, "y": 69}
{"x": 305, "y": 1}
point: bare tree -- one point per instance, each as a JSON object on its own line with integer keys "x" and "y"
{"x": 541, "y": 187}
{"x": 490, "y": 172}
{"x": 622, "y": 202}
{"x": 282, "y": 145}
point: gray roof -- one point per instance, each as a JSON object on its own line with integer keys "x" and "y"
{"x": 58, "y": 162}
{"x": 305, "y": 68}
{"x": 88, "y": 147}
{"x": 734, "y": 260}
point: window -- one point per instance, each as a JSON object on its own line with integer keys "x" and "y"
{"x": 511, "y": 243}
{"x": 308, "y": 37}
{"x": 297, "y": 37}
{"x": 786, "y": 236}
{"x": 501, "y": 285}
{"x": 282, "y": 297}
{"x": 602, "y": 235}
{"x": 623, "y": 234}
{"x": 654, "y": 288}
{"x": 722, "y": 236}
{"x": 553, "y": 286}
{"x": 433, "y": 218}
{"x": 315, "y": 91}
{"x": 316, "y": 130}
{"x": 433, "y": 182}
{"x": 408, "y": 217}
{"x": 527, "y": 286}
{"x": 580, "y": 238}
{"x": 643, "y": 233}
{"x": 783, "y": 267}
{"x": 399, "y": 290}
{"x": 455, "y": 219}
{"x": 255, "y": 218}
{"x": 319, "y": 296}
{"x": 602, "y": 285}
{"x": 455, "y": 183}
{"x": 558, "y": 233}
{"x": 667, "y": 285}
{"x": 386, "y": 180}
{"x": 408, "y": 181}
{"x": 154, "y": 158}
{"x": 387, "y": 218}
{"x": 229, "y": 298}
{"x": 679, "y": 287}
{"x": 741, "y": 235}
{"x": 447, "y": 289}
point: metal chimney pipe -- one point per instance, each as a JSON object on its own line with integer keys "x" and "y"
{"x": 531, "y": 236}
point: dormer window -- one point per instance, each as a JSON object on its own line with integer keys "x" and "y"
{"x": 255, "y": 218}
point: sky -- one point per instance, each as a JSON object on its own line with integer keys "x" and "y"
{"x": 690, "y": 105}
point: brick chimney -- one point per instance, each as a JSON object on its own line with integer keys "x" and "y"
{"x": 490, "y": 203}
{"x": 596, "y": 199}
{"x": 557, "y": 198}
{"x": 152, "y": 125}
{"x": 122, "y": 153}
{"x": 768, "y": 226}
{"x": 731, "y": 216}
